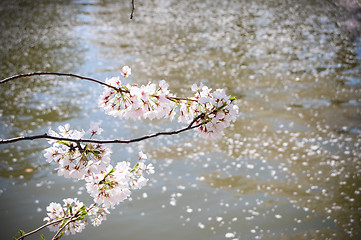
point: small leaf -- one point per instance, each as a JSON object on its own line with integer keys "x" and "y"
{"x": 71, "y": 209}
{"x": 20, "y": 233}
{"x": 83, "y": 208}
{"x": 232, "y": 98}
{"x": 96, "y": 152}
{"x": 81, "y": 217}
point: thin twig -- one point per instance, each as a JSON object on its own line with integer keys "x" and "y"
{"x": 57, "y": 74}
{"x": 133, "y": 7}
{"x": 46, "y": 136}
{"x": 54, "y": 222}
{"x": 200, "y": 116}
{"x": 181, "y": 99}
{"x": 73, "y": 219}
{"x": 83, "y": 78}
{"x": 41, "y": 227}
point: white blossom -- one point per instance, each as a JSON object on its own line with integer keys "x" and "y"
{"x": 110, "y": 187}
{"x": 67, "y": 212}
{"x": 77, "y": 160}
{"x": 126, "y": 71}
{"x": 95, "y": 129}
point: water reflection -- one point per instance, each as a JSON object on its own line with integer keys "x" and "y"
{"x": 288, "y": 169}
{"x": 35, "y": 36}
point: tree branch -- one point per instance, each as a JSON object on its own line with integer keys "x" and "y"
{"x": 46, "y": 136}
{"x": 133, "y": 7}
{"x": 72, "y": 219}
{"x": 57, "y": 74}
{"x": 200, "y": 116}
{"x": 41, "y": 227}
{"x": 83, "y": 78}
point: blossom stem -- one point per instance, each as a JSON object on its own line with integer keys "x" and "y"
{"x": 181, "y": 99}
{"x": 79, "y": 147}
{"x": 110, "y": 172}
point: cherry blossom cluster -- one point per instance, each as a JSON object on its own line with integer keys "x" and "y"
{"x": 71, "y": 216}
{"x": 107, "y": 185}
{"x": 77, "y": 160}
{"x": 208, "y": 111}
{"x": 152, "y": 101}
{"x": 114, "y": 185}
{"x": 130, "y": 101}
{"x": 216, "y": 108}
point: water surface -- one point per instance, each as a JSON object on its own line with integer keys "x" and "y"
{"x": 289, "y": 168}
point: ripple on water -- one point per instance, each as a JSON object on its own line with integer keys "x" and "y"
{"x": 288, "y": 168}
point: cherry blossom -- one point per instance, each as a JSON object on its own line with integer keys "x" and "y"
{"x": 77, "y": 160}
{"x": 95, "y": 129}
{"x": 112, "y": 186}
{"x": 217, "y": 109}
{"x": 69, "y": 212}
{"x": 211, "y": 112}
{"x": 135, "y": 102}
{"x": 97, "y": 215}
{"x": 72, "y": 215}
{"x": 152, "y": 101}
{"x": 126, "y": 71}
{"x": 109, "y": 187}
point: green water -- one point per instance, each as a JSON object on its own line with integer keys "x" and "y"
{"x": 289, "y": 168}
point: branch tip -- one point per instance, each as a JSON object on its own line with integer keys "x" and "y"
{"x": 133, "y": 7}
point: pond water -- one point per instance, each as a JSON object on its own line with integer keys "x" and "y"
{"x": 289, "y": 168}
